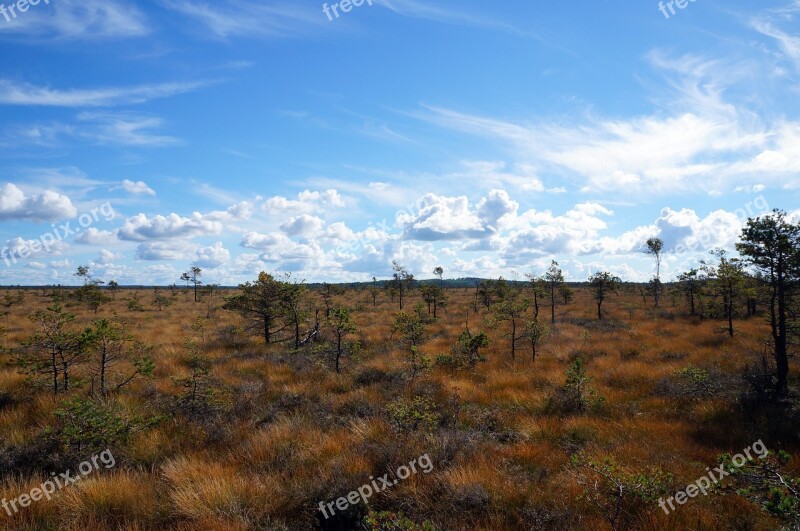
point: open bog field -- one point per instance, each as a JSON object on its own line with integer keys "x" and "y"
{"x": 223, "y": 431}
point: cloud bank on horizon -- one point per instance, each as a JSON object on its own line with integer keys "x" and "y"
{"x": 262, "y": 135}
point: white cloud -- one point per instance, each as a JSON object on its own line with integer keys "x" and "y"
{"x": 750, "y": 189}
{"x": 15, "y": 93}
{"x": 282, "y": 253}
{"x": 81, "y": 19}
{"x": 225, "y": 18}
{"x": 535, "y": 234}
{"x": 122, "y": 129}
{"x": 46, "y": 206}
{"x": 212, "y": 257}
{"x": 769, "y": 24}
{"x": 249, "y": 264}
{"x": 106, "y": 257}
{"x": 452, "y": 218}
{"x": 304, "y": 225}
{"x": 18, "y": 247}
{"x": 126, "y": 129}
{"x": 439, "y": 13}
{"x": 142, "y": 228}
{"x": 696, "y": 140}
{"x": 496, "y": 205}
{"x": 307, "y": 202}
{"x": 442, "y": 218}
{"x": 261, "y": 242}
{"x": 684, "y": 229}
{"x": 60, "y": 264}
{"x": 158, "y": 250}
{"x": 137, "y": 188}
{"x": 93, "y": 236}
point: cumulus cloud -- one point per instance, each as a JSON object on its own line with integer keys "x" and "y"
{"x": 47, "y": 206}
{"x": 20, "y": 248}
{"x": 141, "y": 228}
{"x": 304, "y": 225}
{"x": 376, "y": 259}
{"x": 255, "y": 240}
{"x": 159, "y": 250}
{"x": 240, "y": 211}
{"x": 93, "y": 236}
{"x": 452, "y": 218}
{"x": 106, "y": 257}
{"x": 307, "y": 202}
{"x": 61, "y": 264}
{"x": 684, "y": 229}
{"x": 137, "y": 188}
{"x": 249, "y": 264}
{"x": 283, "y": 253}
{"x": 496, "y": 205}
{"x": 212, "y": 257}
{"x": 535, "y": 234}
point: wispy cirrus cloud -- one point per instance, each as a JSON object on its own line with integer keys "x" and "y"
{"x": 699, "y": 138}
{"x": 125, "y": 129}
{"x": 26, "y": 94}
{"x": 772, "y": 23}
{"x": 455, "y": 15}
{"x": 249, "y": 19}
{"x": 437, "y": 13}
{"x": 80, "y": 19}
{"x": 120, "y": 129}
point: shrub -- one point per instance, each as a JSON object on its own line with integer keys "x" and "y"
{"x": 466, "y": 353}
{"x": 764, "y": 481}
{"x": 86, "y": 425}
{"x": 576, "y": 395}
{"x": 694, "y": 383}
{"x": 389, "y": 521}
{"x": 416, "y": 414}
{"x": 618, "y": 495}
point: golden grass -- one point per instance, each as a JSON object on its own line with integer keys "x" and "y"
{"x": 292, "y": 433}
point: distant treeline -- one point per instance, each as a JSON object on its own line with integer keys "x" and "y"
{"x": 455, "y": 283}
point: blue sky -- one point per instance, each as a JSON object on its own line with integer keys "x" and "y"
{"x": 489, "y": 138}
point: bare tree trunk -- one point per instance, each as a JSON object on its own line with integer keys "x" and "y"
{"x": 513, "y": 338}
{"x": 55, "y": 372}
{"x": 338, "y": 350}
{"x": 781, "y": 357}
{"x": 103, "y": 361}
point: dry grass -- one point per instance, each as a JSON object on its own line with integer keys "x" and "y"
{"x": 286, "y": 432}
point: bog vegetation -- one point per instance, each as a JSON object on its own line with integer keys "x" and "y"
{"x": 542, "y": 404}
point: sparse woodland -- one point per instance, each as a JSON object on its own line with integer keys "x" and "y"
{"x": 542, "y": 404}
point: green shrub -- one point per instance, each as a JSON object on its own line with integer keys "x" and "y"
{"x": 388, "y": 521}
{"x": 416, "y": 414}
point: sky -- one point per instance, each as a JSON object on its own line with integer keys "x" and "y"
{"x": 144, "y": 138}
